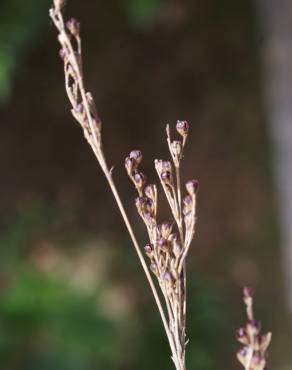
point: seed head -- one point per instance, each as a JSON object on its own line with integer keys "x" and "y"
{"x": 182, "y": 128}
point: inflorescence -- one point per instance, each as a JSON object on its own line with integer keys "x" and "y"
{"x": 169, "y": 242}
{"x": 253, "y": 354}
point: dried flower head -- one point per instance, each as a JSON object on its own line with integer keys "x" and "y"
{"x": 169, "y": 242}
{"x": 253, "y": 354}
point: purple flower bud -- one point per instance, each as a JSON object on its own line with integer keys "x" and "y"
{"x": 73, "y": 26}
{"x": 150, "y": 191}
{"x": 192, "y": 186}
{"x": 182, "y": 127}
{"x": 136, "y": 155}
{"x": 167, "y": 277}
{"x": 247, "y": 292}
{"x": 166, "y": 166}
{"x": 130, "y": 165}
{"x": 240, "y": 333}
{"x": 254, "y": 323}
{"x": 62, "y": 53}
{"x": 166, "y": 177}
{"x": 148, "y": 249}
{"x": 139, "y": 179}
{"x": 162, "y": 244}
{"x": 188, "y": 200}
{"x": 79, "y": 108}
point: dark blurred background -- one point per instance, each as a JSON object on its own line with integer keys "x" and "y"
{"x": 72, "y": 293}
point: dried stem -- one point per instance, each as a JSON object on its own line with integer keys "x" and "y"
{"x": 84, "y": 111}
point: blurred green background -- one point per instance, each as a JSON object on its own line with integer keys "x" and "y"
{"x": 72, "y": 293}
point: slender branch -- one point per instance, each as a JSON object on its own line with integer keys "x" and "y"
{"x": 92, "y": 131}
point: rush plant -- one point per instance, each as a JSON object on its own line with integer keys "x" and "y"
{"x": 169, "y": 242}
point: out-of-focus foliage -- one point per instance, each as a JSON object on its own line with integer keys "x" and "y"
{"x": 142, "y": 12}
{"x": 46, "y": 325}
{"x": 47, "y": 322}
{"x": 19, "y": 21}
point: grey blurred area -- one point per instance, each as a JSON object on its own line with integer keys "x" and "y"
{"x": 276, "y": 18}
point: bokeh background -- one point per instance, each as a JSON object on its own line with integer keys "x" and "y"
{"x": 72, "y": 293}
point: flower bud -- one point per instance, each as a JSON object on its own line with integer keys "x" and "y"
{"x": 163, "y": 244}
{"x": 151, "y": 191}
{"x": 130, "y": 165}
{"x": 73, "y": 26}
{"x": 176, "y": 246}
{"x": 192, "y": 187}
{"x": 136, "y": 155}
{"x": 165, "y": 229}
{"x": 166, "y": 177}
{"x": 148, "y": 249}
{"x": 167, "y": 277}
{"x": 62, "y": 53}
{"x": 242, "y": 355}
{"x": 247, "y": 292}
{"x": 241, "y": 336}
{"x": 79, "y": 108}
{"x": 253, "y": 327}
{"x": 176, "y": 147}
{"x": 166, "y": 166}
{"x": 140, "y": 180}
{"x": 182, "y": 128}
{"x": 187, "y": 205}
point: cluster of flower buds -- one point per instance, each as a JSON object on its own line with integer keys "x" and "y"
{"x": 83, "y": 106}
{"x": 253, "y": 354}
{"x": 167, "y": 247}
{"x": 164, "y": 248}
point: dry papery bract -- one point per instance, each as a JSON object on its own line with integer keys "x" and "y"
{"x": 169, "y": 242}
